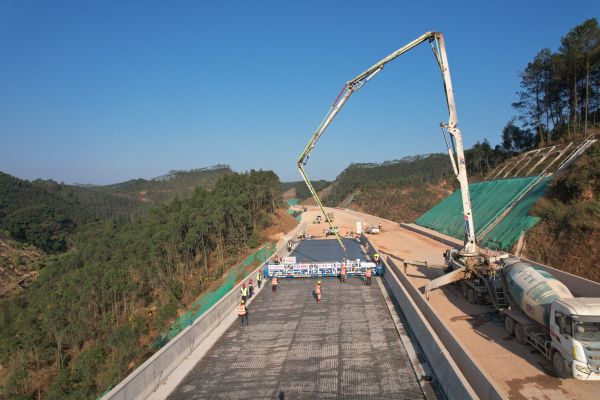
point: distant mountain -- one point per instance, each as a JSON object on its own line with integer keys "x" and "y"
{"x": 165, "y": 188}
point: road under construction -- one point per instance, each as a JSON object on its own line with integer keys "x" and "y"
{"x": 389, "y": 340}
{"x": 359, "y": 342}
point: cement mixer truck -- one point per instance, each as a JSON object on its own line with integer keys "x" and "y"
{"x": 544, "y": 314}
{"x": 539, "y": 310}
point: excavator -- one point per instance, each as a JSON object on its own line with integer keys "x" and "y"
{"x": 467, "y": 256}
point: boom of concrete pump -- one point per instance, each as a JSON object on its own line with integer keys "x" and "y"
{"x": 455, "y": 147}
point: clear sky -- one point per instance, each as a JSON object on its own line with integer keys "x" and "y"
{"x": 105, "y": 91}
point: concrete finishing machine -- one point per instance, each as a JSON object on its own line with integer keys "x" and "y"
{"x": 539, "y": 310}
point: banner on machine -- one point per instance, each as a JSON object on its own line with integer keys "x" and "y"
{"x": 320, "y": 269}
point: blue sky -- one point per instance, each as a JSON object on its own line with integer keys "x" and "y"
{"x": 105, "y": 91}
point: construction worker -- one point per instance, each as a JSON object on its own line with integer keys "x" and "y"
{"x": 243, "y": 313}
{"x": 318, "y": 292}
{"x": 259, "y": 278}
{"x": 368, "y": 277}
{"x": 244, "y": 292}
{"x": 343, "y": 273}
{"x": 274, "y": 284}
{"x": 250, "y": 288}
{"x": 376, "y": 258}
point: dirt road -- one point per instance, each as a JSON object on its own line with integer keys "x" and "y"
{"x": 518, "y": 371}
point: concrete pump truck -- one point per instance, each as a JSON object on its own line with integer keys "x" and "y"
{"x": 537, "y": 308}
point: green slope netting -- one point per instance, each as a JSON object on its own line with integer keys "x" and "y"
{"x": 235, "y": 274}
{"x": 489, "y": 200}
{"x": 507, "y": 232}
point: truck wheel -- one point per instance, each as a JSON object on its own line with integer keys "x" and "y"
{"x": 509, "y": 325}
{"x": 560, "y": 366}
{"x": 472, "y": 296}
{"x": 520, "y": 334}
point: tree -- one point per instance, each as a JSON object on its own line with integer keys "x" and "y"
{"x": 516, "y": 139}
{"x": 560, "y": 91}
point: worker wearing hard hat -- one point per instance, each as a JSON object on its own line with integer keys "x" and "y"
{"x": 376, "y": 258}
{"x": 259, "y": 278}
{"x": 243, "y": 313}
{"x": 318, "y": 292}
{"x": 244, "y": 292}
{"x": 343, "y": 273}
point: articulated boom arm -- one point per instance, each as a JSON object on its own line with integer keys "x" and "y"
{"x": 455, "y": 150}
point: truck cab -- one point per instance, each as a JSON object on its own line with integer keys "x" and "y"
{"x": 575, "y": 332}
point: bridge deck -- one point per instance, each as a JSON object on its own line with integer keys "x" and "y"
{"x": 345, "y": 347}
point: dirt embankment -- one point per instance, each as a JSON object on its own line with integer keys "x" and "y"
{"x": 568, "y": 235}
{"x": 19, "y": 264}
{"x": 404, "y": 204}
{"x": 283, "y": 222}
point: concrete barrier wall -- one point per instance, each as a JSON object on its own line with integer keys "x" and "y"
{"x": 147, "y": 377}
{"x": 480, "y": 382}
{"x": 448, "y": 376}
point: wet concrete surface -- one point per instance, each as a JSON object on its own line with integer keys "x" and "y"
{"x": 326, "y": 250}
{"x": 346, "y": 347}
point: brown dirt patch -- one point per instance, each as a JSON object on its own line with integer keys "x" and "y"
{"x": 282, "y": 224}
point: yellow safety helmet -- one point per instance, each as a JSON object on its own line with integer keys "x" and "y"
{"x": 242, "y": 302}
{"x": 319, "y": 282}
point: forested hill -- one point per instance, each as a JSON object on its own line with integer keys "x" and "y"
{"x": 44, "y": 213}
{"x": 95, "y": 312}
{"x": 165, "y": 188}
{"x": 302, "y": 191}
{"x": 396, "y": 190}
{"x": 402, "y": 190}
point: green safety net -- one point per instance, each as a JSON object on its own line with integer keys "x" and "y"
{"x": 518, "y": 221}
{"x": 294, "y": 213}
{"x": 210, "y": 297}
{"x": 489, "y": 200}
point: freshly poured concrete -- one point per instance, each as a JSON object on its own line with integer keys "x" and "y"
{"x": 345, "y": 347}
{"x": 326, "y": 250}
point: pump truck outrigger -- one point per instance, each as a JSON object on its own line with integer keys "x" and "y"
{"x": 579, "y": 356}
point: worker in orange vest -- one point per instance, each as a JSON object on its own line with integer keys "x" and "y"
{"x": 368, "y": 276}
{"x": 343, "y": 273}
{"x": 243, "y": 313}
{"x": 318, "y": 291}
{"x": 274, "y": 284}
